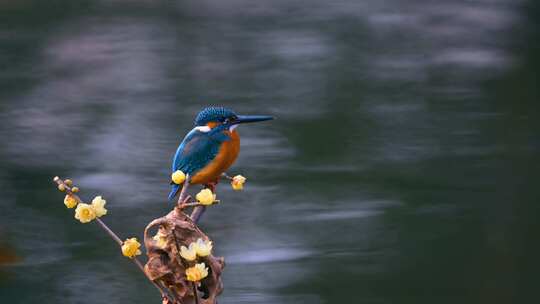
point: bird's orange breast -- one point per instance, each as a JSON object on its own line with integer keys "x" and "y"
{"x": 228, "y": 152}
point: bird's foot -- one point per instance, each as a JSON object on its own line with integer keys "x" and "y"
{"x": 212, "y": 185}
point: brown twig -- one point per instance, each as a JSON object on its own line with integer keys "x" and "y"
{"x": 183, "y": 191}
{"x": 226, "y": 176}
{"x": 187, "y": 205}
{"x": 115, "y": 237}
{"x": 183, "y": 202}
{"x": 195, "y": 293}
{"x": 110, "y": 232}
{"x": 198, "y": 211}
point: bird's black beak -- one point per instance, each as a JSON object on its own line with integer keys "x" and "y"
{"x": 252, "y": 118}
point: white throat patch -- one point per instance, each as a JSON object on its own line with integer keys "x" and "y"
{"x": 203, "y": 129}
{"x": 231, "y": 128}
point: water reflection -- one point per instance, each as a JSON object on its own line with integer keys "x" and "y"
{"x": 384, "y": 179}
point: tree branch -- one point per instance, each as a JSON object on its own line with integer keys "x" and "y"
{"x": 115, "y": 237}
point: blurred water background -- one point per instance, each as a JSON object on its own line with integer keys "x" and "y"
{"x": 402, "y": 167}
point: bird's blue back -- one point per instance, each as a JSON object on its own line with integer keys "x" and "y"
{"x": 196, "y": 151}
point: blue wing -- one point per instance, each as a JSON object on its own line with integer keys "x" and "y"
{"x": 196, "y": 151}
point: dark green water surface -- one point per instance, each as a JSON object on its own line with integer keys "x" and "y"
{"x": 402, "y": 166}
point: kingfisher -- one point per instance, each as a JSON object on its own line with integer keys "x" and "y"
{"x": 211, "y": 147}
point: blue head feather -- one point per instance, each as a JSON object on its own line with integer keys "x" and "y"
{"x": 209, "y": 114}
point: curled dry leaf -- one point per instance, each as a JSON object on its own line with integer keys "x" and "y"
{"x": 165, "y": 266}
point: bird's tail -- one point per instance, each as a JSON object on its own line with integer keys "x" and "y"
{"x": 174, "y": 190}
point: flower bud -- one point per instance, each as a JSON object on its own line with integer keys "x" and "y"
{"x": 98, "y": 204}
{"x": 161, "y": 239}
{"x": 188, "y": 253}
{"x": 205, "y": 197}
{"x": 197, "y": 272}
{"x": 178, "y": 177}
{"x": 130, "y": 248}
{"x": 70, "y": 201}
{"x": 85, "y": 213}
{"x": 237, "y": 182}
{"x": 203, "y": 248}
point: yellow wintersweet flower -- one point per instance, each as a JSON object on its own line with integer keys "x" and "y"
{"x": 130, "y": 248}
{"x": 98, "y": 204}
{"x": 190, "y": 254}
{"x": 178, "y": 177}
{"x": 85, "y": 213}
{"x": 203, "y": 248}
{"x": 70, "y": 201}
{"x": 161, "y": 239}
{"x": 197, "y": 272}
{"x": 205, "y": 197}
{"x": 238, "y": 182}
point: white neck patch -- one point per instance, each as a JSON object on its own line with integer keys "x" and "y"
{"x": 231, "y": 128}
{"x": 203, "y": 129}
